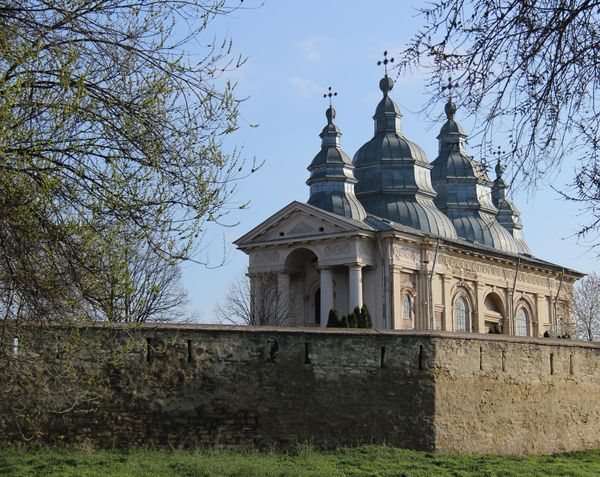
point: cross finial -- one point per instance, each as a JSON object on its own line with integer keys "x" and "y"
{"x": 385, "y": 61}
{"x": 499, "y": 167}
{"x": 450, "y": 86}
{"x": 330, "y": 94}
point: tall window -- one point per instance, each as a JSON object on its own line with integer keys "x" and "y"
{"x": 460, "y": 314}
{"x": 406, "y": 307}
{"x": 522, "y": 328}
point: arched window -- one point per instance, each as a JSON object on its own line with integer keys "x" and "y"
{"x": 460, "y": 314}
{"x": 522, "y": 328}
{"x": 406, "y": 311}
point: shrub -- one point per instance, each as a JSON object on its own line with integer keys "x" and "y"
{"x": 366, "y": 317}
{"x": 352, "y": 320}
{"x": 344, "y": 322}
{"x": 333, "y": 321}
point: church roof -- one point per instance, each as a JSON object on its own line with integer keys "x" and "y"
{"x": 331, "y": 178}
{"x": 464, "y": 189}
{"x": 394, "y": 175}
{"x": 508, "y": 214}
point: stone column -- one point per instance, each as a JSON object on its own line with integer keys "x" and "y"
{"x": 447, "y": 317}
{"x": 478, "y": 325}
{"x": 355, "y": 289}
{"x": 326, "y": 294}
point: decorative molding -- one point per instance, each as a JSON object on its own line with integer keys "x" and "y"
{"x": 264, "y": 258}
{"x": 470, "y": 269}
{"x": 338, "y": 249}
{"x": 399, "y": 252}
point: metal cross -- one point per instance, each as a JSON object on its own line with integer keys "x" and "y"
{"x": 385, "y": 61}
{"x": 330, "y": 95}
{"x": 450, "y": 86}
{"x": 498, "y": 153}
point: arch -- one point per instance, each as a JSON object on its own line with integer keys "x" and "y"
{"x": 525, "y": 303}
{"x": 408, "y": 307}
{"x": 461, "y": 314}
{"x": 297, "y": 258}
{"x": 494, "y": 313}
{"x": 462, "y": 290}
{"x": 300, "y": 264}
{"x": 522, "y": 321}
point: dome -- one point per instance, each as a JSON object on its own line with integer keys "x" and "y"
{"x": 393, "y": 174}
{"x": 331, "y": 178}
{"x": 508, "y": 214}
{"x": 464, "y": 191}
{"x": 485, "y": 231}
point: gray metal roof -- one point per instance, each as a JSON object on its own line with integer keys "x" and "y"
{"x": 464, "y": 189}
{"x": 331, "y": 178}
{"x": 394, "y": 176}
{"x": 508, "y": 214}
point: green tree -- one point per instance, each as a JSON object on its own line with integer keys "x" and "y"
{"x": 366, "y": 317}
{"x": 353, "y": 320}
{"x": 529, "y": 70}
{"x": 333, "y": 320}
{"x": 111, "y": 165}
{"x": 109, "y": 133}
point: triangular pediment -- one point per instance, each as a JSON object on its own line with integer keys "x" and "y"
{"x": 300, "y": 221}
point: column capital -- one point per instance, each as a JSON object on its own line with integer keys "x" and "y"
{"x": 354, "y": 266}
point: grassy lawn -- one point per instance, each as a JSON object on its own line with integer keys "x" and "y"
{"x": 362, "y": 461}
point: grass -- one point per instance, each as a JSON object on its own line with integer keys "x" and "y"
{"x": 374, "y": 461}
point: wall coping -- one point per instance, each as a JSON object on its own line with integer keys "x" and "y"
{"x": 570, "y": 343}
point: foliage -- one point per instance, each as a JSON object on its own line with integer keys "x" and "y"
{"x": 586, "y": 307}
{"x": 530, "y": 69}
{"x": 110, "y": 134}
{"x": 255, "y": 300}
{"x": 366, "y": 317}
{"x": 333, "y": 320}
{"x": 344, "y": 322}
{"x": 111, "y": 163}
{"x": 306, "y": 461}
{"x": 353, "y": 320}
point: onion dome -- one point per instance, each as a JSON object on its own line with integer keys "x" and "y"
{"x": 331, "y": 178}
{"x": 508, "y": 214}
{"x": 464, "y": 189}
{"x": 394, "y": 175}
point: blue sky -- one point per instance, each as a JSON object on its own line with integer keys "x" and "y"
{"x": 295, "y": 51}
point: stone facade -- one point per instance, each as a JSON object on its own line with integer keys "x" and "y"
{"x": 427, "y": 246}
{"x": 326, "y": 262}
{"x": 238, "y": 387}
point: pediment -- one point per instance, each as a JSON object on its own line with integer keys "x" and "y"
{"x": 299, "y": 221}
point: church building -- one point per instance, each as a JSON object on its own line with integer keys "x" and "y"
{"x": 427, "y": 246}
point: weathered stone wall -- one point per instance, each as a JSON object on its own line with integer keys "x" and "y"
{"x": 259, "y": 387}
{"x": 244, "y": 387}
{"x": 505, "y": 395}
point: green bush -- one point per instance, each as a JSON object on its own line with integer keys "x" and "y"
{"x": 366, "y": 317}
{"x": 352, "y": 320}
{"x": 333, "y": 321}
{"x": 344, "y": 322}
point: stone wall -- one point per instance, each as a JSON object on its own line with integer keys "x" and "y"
{"x": 516, "y": 396}
{"x": 259, "y": 387}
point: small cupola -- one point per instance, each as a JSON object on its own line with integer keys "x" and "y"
{"x": 508, "y": 214}
{"x": 331, "y": 178}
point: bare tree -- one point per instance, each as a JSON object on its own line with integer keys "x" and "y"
{"x": 529, "y": 71}
{"x": 255, "y": 300}
{"x": 136, "y": 284}
{"x": 586, "y": 307}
